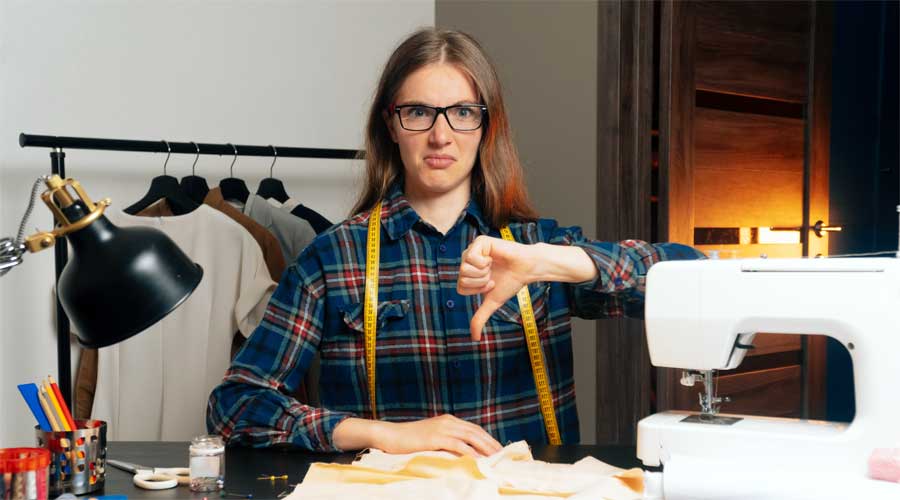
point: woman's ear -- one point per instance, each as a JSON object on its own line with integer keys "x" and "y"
{"x": 388, "y": 120}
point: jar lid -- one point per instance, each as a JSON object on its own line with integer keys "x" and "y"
{"x": 13, "y": 460}
{"x": 209, "y": 440}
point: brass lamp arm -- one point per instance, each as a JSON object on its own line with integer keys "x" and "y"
{"x": 55, "y": 197}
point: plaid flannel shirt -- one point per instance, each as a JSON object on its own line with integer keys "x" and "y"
{"x": 426, "y": 362}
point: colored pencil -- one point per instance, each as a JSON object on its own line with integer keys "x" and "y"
{"x": 54, "y": 405}
{"x": 62, "y": 403}
{"x": 46, "y": 407}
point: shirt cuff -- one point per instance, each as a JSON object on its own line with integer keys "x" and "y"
{"x": 319, "y": 424}
{"x": 620, "y": 266}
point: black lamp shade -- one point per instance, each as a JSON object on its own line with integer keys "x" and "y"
{"x": 120, "y": 281}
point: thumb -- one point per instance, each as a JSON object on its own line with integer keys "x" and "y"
{"x": 481, "y": 317}
{"x": 479, "y": 252}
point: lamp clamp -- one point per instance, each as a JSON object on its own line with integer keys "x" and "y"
{"x": 57, "y": 198}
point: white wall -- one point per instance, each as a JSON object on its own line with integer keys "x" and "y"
{"x": 265, "y": 72}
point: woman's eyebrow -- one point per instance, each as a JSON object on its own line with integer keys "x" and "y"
{"x": 470, "y": 102}
{"x": 413, "y": 103}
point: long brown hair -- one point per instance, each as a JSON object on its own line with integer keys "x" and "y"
{"x": 498, "y": 183}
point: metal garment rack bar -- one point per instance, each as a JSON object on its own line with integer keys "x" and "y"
{"x": 49, "y": 141}
{"x": 57, "y": 159}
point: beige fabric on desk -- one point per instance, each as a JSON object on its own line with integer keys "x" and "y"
{"x": 511, "y": 473}
{"x": 155, "y": 385}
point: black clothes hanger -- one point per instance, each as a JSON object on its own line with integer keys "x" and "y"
{"x": 165, "y": 187}
{"x": 193, "y": 185}
{"x": 233, "y": 188}
{"x": 270, "y": 187}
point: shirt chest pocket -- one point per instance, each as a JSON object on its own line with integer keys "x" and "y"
{"x": 506, "y": 324}
{"x": 391, "y": 318}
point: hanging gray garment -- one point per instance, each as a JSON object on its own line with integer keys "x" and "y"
{"x": 292, "y": 233}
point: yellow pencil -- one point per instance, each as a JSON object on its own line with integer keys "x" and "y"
{"x": 62, "y": 403}
{"x": 60, "y": 416}
{"x": 46, "y": 407}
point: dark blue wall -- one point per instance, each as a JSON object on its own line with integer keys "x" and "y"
{"x": 865, "y": 187}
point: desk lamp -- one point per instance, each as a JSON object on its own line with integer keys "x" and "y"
{"x": 119, "y": 281}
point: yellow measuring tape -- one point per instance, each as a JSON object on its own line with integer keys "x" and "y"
{"x": 370, "y": 308}
{"x": 538, "y": 369}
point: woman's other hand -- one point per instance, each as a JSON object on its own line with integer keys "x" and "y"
{"x": 445, "y": 432}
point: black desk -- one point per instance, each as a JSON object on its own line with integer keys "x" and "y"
{"x": 244, "y": 465}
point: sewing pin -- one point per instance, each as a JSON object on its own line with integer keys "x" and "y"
{"x": 272, "y": 478}
{"x": 287, "y": 491}
{"x": 226, "y": 494}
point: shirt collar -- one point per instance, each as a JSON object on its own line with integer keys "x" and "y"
{"x": 398, "y": 216}
{"x": 473, "y": 212}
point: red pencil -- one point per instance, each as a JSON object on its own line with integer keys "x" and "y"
{"x": 62, "y": 403}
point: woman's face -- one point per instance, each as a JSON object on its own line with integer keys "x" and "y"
{"x": 439, "y": 160}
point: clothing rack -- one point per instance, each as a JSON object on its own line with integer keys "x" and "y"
{"x": 57, "y": 166}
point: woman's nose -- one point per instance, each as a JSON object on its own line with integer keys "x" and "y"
{"x": 441, "y": 131}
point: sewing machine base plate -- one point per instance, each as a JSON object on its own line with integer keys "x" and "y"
{"x": 711, "y": 419}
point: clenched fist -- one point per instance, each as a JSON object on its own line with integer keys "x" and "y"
{"x": 496, "y": 268}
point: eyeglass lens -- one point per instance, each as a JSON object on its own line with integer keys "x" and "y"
{"x": 420, "y": 118}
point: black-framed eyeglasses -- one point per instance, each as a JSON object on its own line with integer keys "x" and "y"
{"x": 460, "y": 117}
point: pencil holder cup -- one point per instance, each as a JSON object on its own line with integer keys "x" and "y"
{"x": 77, "y": 458}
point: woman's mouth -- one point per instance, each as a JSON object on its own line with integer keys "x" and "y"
{"x": 439, "y": 161}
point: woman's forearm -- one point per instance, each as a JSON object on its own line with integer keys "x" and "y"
{"x": 562, "y": 263}
{"x": 356, "y": 434}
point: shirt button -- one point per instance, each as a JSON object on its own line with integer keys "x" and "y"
{"x": 618, "y": 281}
{"x": 450, "y": 304}
{"x": 442, "y": 248}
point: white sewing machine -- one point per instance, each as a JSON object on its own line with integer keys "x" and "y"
{"x": 701, "y": 315}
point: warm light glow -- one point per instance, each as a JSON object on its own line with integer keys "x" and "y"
{"x": 766, "y": 235}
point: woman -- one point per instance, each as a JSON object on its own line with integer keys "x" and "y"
{"x": 452, "y": 366}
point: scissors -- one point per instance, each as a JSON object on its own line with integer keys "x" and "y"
{"x": 154, "y": 478}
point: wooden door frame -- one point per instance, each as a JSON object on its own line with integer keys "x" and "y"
{"x": 677, "y": 47}
{"x": 816, "y": 186}
{"x": 624, "y": 122}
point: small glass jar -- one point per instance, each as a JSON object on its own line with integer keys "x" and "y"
{"x": 207, "y": 463}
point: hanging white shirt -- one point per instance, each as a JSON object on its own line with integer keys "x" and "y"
{"x": 155, "y": 385}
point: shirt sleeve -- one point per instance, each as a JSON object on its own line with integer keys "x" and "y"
{"x": 618, "y": 290}
{"x": 250, "y": 406}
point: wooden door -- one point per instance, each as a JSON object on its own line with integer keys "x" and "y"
{"x": 743, "y": 155}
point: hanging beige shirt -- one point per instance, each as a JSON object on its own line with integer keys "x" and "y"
{"x": 511, "y": 473}
{"x": 155, "y": 385}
